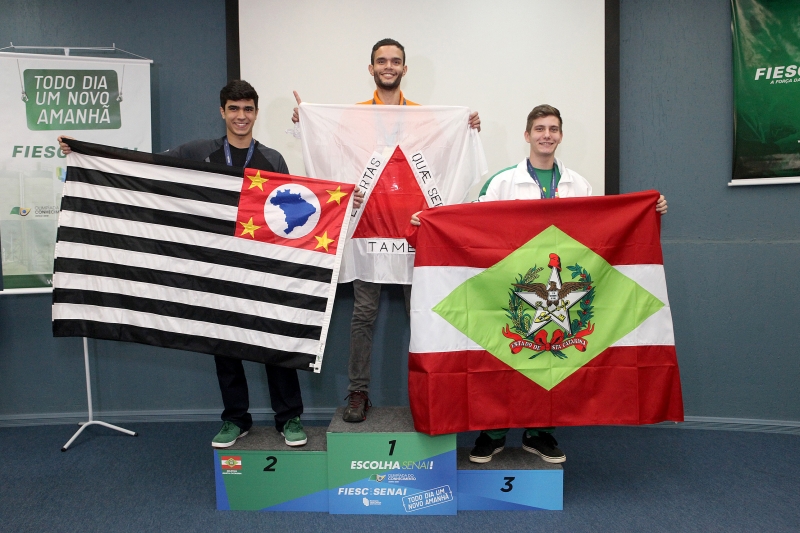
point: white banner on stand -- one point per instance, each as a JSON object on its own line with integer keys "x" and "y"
{"x": 100, "y": 100}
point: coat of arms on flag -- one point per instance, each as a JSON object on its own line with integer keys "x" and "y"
{"x": 554, "y": 314}
{"x": 197, "y": 256}
{"x": 405, "y": 158}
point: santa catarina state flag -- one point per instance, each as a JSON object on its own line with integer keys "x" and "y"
{"x": 541, "y": 313}
{"x": 405, "y": 158}
{"x": 197, "y": 256}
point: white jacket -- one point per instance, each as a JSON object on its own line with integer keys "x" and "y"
{"x": 514, "y": 183}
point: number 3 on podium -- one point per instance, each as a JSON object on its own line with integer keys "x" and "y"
{"x": 508, "y": 487}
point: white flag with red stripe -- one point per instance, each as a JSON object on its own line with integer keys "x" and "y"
{"x": 405, "y": 158}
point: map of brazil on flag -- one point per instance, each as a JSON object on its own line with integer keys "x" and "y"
{"x": 292, "y": 211}
{"x": 197, "y": 256}
{"x": 554, "y": 314}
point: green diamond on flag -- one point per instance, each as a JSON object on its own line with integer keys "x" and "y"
{"x": 531, "y": 313}
{"x": 548, "y": 308}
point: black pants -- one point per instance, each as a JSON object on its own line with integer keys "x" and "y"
{"x": 284, "y": 393}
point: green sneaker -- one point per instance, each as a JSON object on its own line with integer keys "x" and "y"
{"x": 227, "y": 435}
{"x": 293, "y": 433}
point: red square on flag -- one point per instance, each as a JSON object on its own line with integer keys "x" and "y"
{"x": 292, "y": 210}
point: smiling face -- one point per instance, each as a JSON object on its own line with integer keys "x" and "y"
{"x": 239, "y": 116}
{"x": 544, "y": 137}
{"x": 388, "y": 67}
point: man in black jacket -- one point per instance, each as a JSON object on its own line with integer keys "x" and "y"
{"x": 239, "y": 110}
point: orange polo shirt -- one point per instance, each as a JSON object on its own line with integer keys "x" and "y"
{"x": 377, "y": 101}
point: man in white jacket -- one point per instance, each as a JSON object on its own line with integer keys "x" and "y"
{"x": 540, "y": 176}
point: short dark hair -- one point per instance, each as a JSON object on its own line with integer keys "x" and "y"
{"x": 540, "y": 111}
{"x": 237, "y": 90}
{"x": 386, "y": 42}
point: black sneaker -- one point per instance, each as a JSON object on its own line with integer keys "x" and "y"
{"x": 545, "y": 446}
{"x": 357, "y": 406}
{"x": 486, "y": 447}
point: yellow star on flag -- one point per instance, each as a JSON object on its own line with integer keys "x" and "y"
{"x": 336, "y": 196}
{"x": 250, "y": 228}
{"x": 257, "y": 181}
{"x": 324, "y": 241}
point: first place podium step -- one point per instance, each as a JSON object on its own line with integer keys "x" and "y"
{"x": 383, "y": 466}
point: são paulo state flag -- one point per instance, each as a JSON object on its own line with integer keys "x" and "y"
{"x": 197, "y": 256}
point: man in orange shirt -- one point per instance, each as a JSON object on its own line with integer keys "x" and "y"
{"x": 387, "y": 67}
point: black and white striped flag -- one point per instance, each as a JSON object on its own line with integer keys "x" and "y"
{"x": 161, "y": 251}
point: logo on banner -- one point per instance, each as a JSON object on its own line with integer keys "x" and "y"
{"x": 66, "y": 99}
{"x": 781, "y": 74}
{"x": 532, "y": 306}
{"x": 21, "y": 211}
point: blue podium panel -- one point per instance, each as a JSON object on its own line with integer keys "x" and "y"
{"x": 513, "y": 480}
{"x": 383, "y": 466}
{"x": 261, "y": 473}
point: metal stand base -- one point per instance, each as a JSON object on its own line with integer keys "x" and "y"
{"x": 91, "y": 420}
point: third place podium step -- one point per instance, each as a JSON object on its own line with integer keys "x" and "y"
{"x": 513, "y": 480}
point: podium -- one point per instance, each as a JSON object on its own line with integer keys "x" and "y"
{"x": 379, "y": 466}
{"x": 514, "y": 480}
{"x": 383, "y": 466}
{"x": 261, "y": 473}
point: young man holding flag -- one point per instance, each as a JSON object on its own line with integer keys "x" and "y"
{"x": 387, "y": 67}
{"x": 540, "y": 176}
{"x": 238, "y": 148}
{"x": 239, "y": 109}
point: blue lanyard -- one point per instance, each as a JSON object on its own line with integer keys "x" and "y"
{"x": 553, "y": 180}
{"x": 228, "y": 159}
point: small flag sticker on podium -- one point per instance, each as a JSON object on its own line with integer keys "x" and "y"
{"x": 230, "y": 463}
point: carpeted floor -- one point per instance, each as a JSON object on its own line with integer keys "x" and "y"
{"x": 616, "y": 479}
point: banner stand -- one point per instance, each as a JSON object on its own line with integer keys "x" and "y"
{"x": 91, "y": 420}
{"x": 98, "y": 94}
